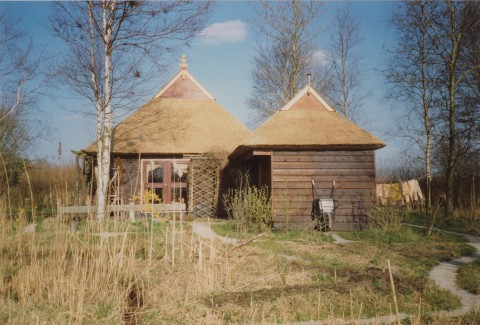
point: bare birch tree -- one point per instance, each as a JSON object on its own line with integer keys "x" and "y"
{"x": 108, "y": 43}
{"x": 411, "y": 74}
{"x": 286, "y": 53}
{"x": 449, "y": 24}
{"x": 345, "y": 63}
{"x": 431, "y": 70}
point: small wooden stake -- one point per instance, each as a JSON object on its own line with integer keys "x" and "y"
{"x": 393, "y": 293}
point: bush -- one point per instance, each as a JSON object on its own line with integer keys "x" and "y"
{"x": 249, "y": 206}
{"x": 385, "y": 217}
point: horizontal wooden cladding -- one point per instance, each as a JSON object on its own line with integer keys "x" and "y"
{"x": 307, "y": 219}
{"x": 293, "y": 171}
{"x": 322, "y": 153}
{"x": 306, "y": 212}
{"x": 354, "y": 184}
{"x": 321, "y": 158}
{"x": 307, "y": 174}
{"x": 300, "y": 206}
{"x": 276, "y": 166}
{"x": 282, "y": 194}
{"x": 326, "y": 176}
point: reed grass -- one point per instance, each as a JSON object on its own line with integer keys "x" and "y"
{"x": 115, "y": 272}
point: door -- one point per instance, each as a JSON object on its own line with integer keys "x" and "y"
{"x": 167, "y": 179}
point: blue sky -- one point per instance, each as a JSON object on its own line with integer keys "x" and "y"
{"x": 223, "y": 67}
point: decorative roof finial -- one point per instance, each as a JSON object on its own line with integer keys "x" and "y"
{"x": 309, "y": 77}
{"x": 183, "y": 66}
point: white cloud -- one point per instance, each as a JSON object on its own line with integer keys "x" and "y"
{"x": 232, "y": 31}
{"x": 320, "y": 57}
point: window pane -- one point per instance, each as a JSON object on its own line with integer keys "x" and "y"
{"x": 179, "y": 172}
{"x": 159, "y": 192}
{"x": 155, "y": 173}
{"x": 179, "y": 195}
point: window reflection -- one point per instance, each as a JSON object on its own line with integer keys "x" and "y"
{"x": 179, "y": 172}
{"x": 155, "y": 173}
{"x": 179, "y": 195}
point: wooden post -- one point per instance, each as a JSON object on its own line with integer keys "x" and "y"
{"x": 393, "y": 292}
{"x": 131, "y": 212}
{"x": 77, "y": 181}
{"x": 473, "y": 200}
{"x": 190, "y": 186}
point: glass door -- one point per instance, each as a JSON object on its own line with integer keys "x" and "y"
{"x": 167, "y": 179}
{"x": 155, "y": 179}
{"x": 178, "y": 185}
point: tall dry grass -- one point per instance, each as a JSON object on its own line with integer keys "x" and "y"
{"x": 104, "y": 273}
{"x": 146, "y": 272}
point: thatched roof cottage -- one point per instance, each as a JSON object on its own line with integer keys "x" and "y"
{"x": 307, "y": 140}
{"x": 168, "y": 144}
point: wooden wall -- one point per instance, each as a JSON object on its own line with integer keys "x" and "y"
{"x": 293, "y": 171}
{"x": 131, "y": 183}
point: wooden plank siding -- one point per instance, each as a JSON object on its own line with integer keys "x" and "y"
{"x": 293, "y": 171}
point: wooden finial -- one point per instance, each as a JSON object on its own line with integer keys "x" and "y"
{"x": 183, "y": 66}
{"x": 309, "y": 77}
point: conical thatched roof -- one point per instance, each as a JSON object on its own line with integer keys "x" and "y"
{"x": 305, "y": 123}
{"x": 183, "y": 118}
{"x": 176, "y": 126}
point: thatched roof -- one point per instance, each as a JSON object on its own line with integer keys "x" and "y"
{"x": 308, "y": 127}
{"x": 182, "y": 118}
{"x": 177, "y": 126}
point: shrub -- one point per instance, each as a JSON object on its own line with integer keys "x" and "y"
{"x": 384, "y": 217}
{"x": 249, "y": 205}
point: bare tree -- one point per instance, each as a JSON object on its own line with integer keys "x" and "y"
{"x": 431, "y": 69}
{"x": 345, "y": 63}
{"x": 17, "y": 68}
{"x": 449, "y": 22}
{"x": 108, "y": 43}
{"x": 411, "y": 74}
{"x": 286, "y": 52}
{"x": 18, "y": 120}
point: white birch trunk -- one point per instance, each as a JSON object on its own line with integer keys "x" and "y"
{"x": 105, "y": 129}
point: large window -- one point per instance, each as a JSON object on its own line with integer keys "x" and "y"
{"x": 167, "y": 178}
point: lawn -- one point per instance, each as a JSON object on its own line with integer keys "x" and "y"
{"x": 468, "y": 277}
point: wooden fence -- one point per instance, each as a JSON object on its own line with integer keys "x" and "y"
{"x": 130, "y": 208}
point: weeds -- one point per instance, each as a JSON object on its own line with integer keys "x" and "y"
{"x": 249, "y": 205}
{"x": 468, "y": 277}
{"x": 384, "y": 217}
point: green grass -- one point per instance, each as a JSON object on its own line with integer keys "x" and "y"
{"x": 411, "y": 249}
{"x": 468, "y": 277}
{"x": 460, "y": 223}
{"x": 229, "y": 229}
{"x": 403, "y": 234}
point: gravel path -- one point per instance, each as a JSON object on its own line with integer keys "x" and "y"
{"x": 204, "y": 230}
{"x": 445, "y": 275}
{"x": 339, "y": 240}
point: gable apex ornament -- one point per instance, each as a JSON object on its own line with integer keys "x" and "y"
{"x": 183, "y": 66}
